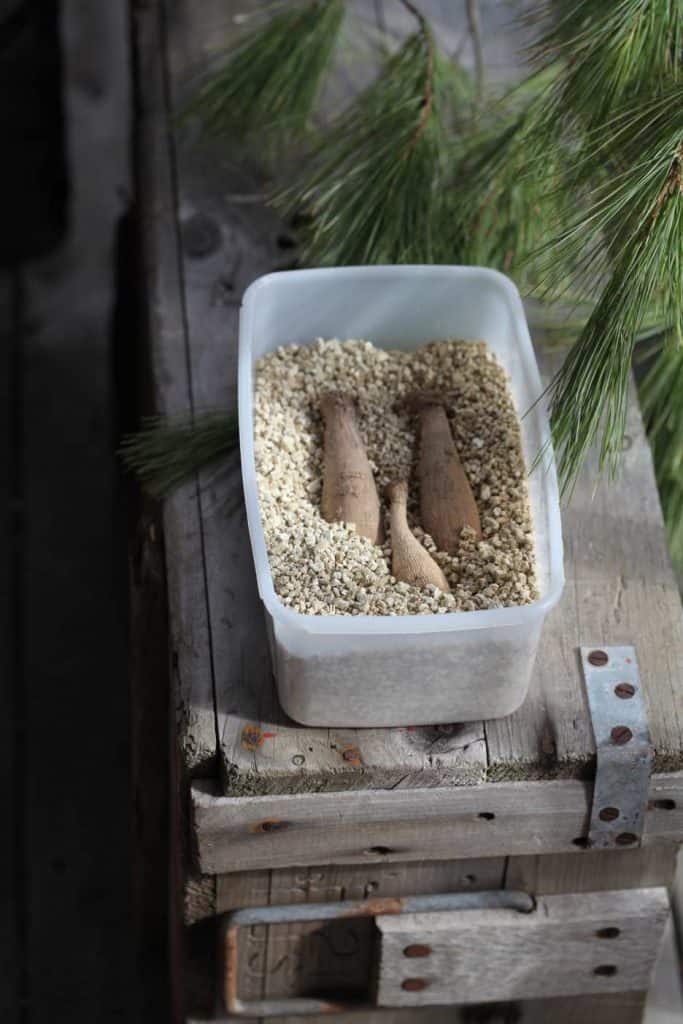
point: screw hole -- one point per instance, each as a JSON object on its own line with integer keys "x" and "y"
{"x": 486, "y": 816}
{"x": 608, "y": 933}
{"x": 664, "y": 805}
{"x": 382, "y": 851}
{"x": 626, "y": 839}
{"x": 581, "y": 842}
{"x": 598, "y": 658}
{"x": 470, "y": 879}
{"x": 605, "y": 970}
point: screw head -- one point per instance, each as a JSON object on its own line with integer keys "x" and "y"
{"x": 609, "y": 814}
{"x": 416, "y": 950}
{"x": 414, "y": 984}
{"x": 274, "y": 826}
{"x": 598, "y": 658}
{"x": 621, "y": 734}
{"x": 624, "y": 691}
{"x": 626, "y": 839}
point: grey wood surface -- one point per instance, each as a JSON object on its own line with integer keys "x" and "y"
{"x": 557, "y": 950}
{"x": 204, "y": 243}
{"x": 190, "y": 638}
{"x": 262, "y": 973}
{"x": 240, "y": 833}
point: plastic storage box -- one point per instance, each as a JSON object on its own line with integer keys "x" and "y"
{"x": 364, "y": 670}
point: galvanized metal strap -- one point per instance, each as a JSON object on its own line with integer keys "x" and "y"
{"x": 623, "y": 746}
{"x": 497, "y": 899}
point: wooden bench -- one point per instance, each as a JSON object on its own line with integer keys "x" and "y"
{"x": 283, "y": 814}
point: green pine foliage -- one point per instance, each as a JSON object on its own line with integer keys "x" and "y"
{"x": 572, "y": 183}
{"x": 270, "y": 82}
{"x": 167, "y": 452}
{"x": 662, "y": 399}
{"x": 374, "y": 191}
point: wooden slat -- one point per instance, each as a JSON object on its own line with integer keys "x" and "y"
{"x": 492, "y": 955}
{"x": 188, "y": 620}
{"x": 238, "y": 833}
{"x": 591, "y": 872}
{"x": 620, "y": 589}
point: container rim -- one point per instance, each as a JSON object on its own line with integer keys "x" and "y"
{"x": 446, "y": 622}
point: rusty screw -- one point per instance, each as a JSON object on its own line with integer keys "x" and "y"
{"x": 598, "y": 658}
{"x": 621, "y": 734}
{"x": 274, "y": 826}
{"x": 609, "y": 813}
{"x": 626, "y": 839}
{"x": 416, "y": 950}
{"x": 414, "y": 984}
{"x": 624, "y": 690}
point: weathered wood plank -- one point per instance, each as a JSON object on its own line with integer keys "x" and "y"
{"x": 619, "y": 1008}
{"x": 278, "y": 955}
{"x": 262, "y": 751}
{"x": 570, "y": 945}
{"x": 188, "y": 620}
{"x": 620, "y": 589}
{"x": 593, "y": 871}
{"x": 236, "y": 833}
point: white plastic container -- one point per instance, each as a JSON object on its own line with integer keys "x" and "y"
{"x": 338, "y": 670}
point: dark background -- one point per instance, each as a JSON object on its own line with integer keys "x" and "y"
{"x": 84, "y": 871}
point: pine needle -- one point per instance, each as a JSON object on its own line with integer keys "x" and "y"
{"x": 590, "y": 393}
{"x": 374, "y": 191}
{"x": 271, "y": 79}
{"x": 661, "y": 395}
{"x": 168, "y": 452}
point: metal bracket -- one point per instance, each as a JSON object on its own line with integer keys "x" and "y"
{"x": 498, "y": 899}
{"x": 623, "y": 745}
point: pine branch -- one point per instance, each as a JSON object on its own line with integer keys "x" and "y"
{"x": 661, "y": 396}
{"x": 168, "y": 452}
{"x": 590, "y": 393}
{"x": 373, "y": 193}
{"x": 271, "y": 79}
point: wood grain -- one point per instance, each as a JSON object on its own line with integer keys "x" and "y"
{"x": 261, "y": 750}
{"x": 557, "y": 950}
{"x": 620, "y": 589}
{"x": 188, "y": 623}
{"x": 238, "y": 833}
{"x": 206, "y": 247}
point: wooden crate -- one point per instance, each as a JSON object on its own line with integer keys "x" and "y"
{"x": 285, "y": 814}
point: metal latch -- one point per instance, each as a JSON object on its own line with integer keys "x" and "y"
{"x": 623, "y": 746}
{"x": 519, "y": 902}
